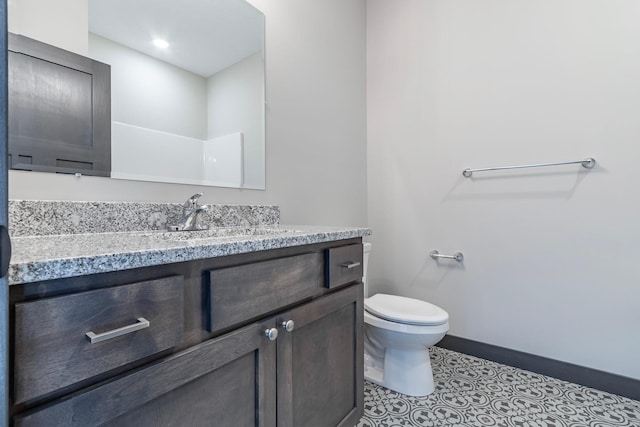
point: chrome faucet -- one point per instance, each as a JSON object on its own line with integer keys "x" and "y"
{"x": 190, "y": 211}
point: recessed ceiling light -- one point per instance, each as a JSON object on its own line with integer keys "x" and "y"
{"x": 161, "y": 43}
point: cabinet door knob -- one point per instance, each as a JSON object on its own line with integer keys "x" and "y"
{"x": 288, "y": 325}
{"x": 272, "y": 334}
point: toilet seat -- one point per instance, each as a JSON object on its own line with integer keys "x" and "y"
{"x": 408, "y": 311}
{"x": 378, "y": 322}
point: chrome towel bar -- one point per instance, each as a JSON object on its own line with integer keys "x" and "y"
{"x": 588, "y": 163}
{"x": 457, "y": 256}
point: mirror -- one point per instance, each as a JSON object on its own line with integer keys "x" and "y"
{"x": 191, "y": 112}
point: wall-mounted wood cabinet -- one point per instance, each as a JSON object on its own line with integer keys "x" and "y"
{"x": 59, "y": 110}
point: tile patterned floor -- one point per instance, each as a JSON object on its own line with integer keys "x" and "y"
{"x": 476, "y": 392}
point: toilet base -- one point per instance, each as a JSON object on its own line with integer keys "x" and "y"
{"x": 374, "y": 375}
{"x": 405, "y": 371}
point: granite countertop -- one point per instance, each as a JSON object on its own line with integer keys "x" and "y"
{"x": 37, "y": 258}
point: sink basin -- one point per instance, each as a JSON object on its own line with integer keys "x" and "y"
{"x": 217, "y": 233}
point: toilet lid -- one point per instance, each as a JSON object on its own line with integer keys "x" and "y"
{"x": 405, "y": 310}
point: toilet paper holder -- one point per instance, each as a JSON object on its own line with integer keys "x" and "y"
{"x": 436, "y": 255}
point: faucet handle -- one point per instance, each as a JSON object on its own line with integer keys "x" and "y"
{"x": 193, "y": 201}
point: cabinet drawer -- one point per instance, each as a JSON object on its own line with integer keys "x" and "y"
{"x": 52, "y": 336}
{"x": 226, "y": 381}
{"x": 237, "y": 294}
{"x": 343, "y": 265}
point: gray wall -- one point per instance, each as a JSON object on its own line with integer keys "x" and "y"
{"x": 549, "y": 254}
{"x": 235, "y": 102}
{"x": 151, "y": 93}
{"x": 315, "y": 113}
{"x": 58, "y": 22}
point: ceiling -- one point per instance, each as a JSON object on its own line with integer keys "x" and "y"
{"x": 205, "y": 36}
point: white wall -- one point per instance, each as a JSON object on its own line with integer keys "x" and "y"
{"x": 150, "y": 93}
{"x": 235, "y": 103}
{"x": 144, "y": 154}
{"x": 315, "y": 159}
{"x": 549, "y": 253}
{"x": 149, "y": 155}
{"x": 62, "y": 23}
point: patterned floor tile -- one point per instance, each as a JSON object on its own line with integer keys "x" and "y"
{"x": 476, "y": 392}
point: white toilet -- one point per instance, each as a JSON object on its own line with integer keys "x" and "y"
{"x": 398, "y": 334}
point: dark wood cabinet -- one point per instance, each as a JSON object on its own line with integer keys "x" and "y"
{"x": 247, "y": 291}
{"x": 236, "y": 373}
{"x": 227, "y": 381}
{"x": 51, "y": 341}
{"x": 343, "y": 265}
{"x": 320, "y": 372}
{"x": 59, "y": 110}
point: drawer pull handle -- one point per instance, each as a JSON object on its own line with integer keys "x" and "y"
{"x": 141, "y": 324}
{"x": 350, "y": 265}
{"x": 272, "y": 334}
{"x": 288, "y": 325}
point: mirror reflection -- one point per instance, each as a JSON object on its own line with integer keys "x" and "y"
{"x": 188, "y": 108}
{"x": 187, "y": 89}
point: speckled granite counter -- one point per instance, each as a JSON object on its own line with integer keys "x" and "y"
{"x": 58, "y": 239}
{"x": 47, "y": 217}
{"x": 37, "y": 258}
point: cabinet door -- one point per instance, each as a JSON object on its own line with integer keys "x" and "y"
{"x": 320, "y": 362}
{"x": 227, "y": 381}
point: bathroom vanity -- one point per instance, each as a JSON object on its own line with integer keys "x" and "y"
{"x": 259, "y": 325}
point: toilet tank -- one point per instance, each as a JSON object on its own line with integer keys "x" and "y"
{"x": 366, "y": 248}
